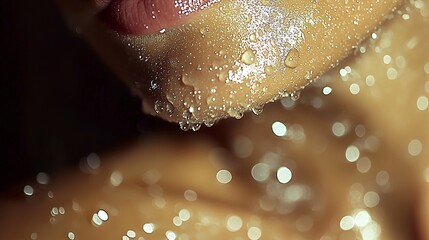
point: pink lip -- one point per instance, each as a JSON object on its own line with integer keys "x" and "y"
{"x": 144, "y": 17}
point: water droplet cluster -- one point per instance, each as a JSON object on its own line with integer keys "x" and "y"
{"x": 229, "y": 69}
{"x": 320, "y": 165}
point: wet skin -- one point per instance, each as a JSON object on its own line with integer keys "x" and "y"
{"x": 232, "y": 56}
{"x": 377, "y": 102}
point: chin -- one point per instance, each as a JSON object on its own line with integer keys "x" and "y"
{"x": 196, "y": 64}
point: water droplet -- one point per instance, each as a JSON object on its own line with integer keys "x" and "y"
{"x": 295, "y": 96}
{"x": 254, "y": 88}
{"x": 56, "y": 211}
{"x": 186, "y": 115}
{"x": 103, "y": 215}
{"x": 327, "y": 90}
{"x": 248, "y": 57}
{"x": 382, "y": 178}
{"x": 223, "y": 76}
{"x": 392, "y": 73}
{"x": 170, "y": 235}
{"x": 292, "y": 58}
{"x": 170, "y": 108}
{"x": 195, "y": 126}
{"x": 158, "y": 107}
{"x": 153, "y": 85}
{"x": 352, "y": 153}
{"x": 131, "y": 234}
{"x": 209, "y": 123}
{"x": 224, "y": 176}
{"x": 71, "y": 235}
{"x": 269, "y": 70}
{"x": 265, "y": 89}
{"x": 33, "y": 236}
{"x": 51, "y": 194}
{"x": 363, "y": 165}
{"x": 279, "y": 129}
{"x": 234, "y": 223}
{"x": 362, "y": 218}
{"x": 254, "y": 233}
{"x": 284, "y": 175}
{"x": 28, "y": 190}
{"x": 339, "y": 129}
{"x": 371, "y": 199}
{"x": 258, "y": 109}
{"x": 191, "y": 109}
{"x": 93, "y": 161}
{"x": 415, "y": 147}
{"x": 42, "y": 178}
{"x": 235, "y": 113}
{"x": 387, "y": 59}
{"x": 347, "y": 223}
{"x": 422, "y": 103}
{"x": 210, "y": 100}
{"x": 190, "y": 195}
{"x": 284, "y": 94}
{"x": 309, "y": 74}
{"x": 184, "y": 125}
{"x": 260, "y": 172}
{"x": 216, "y": 64}
{"x": 426, "y": 68}
{"x": 116, "y": 178}
{"x": 253, "y": 38}
{"x": 149, "y": 227}
{"x": 204, "y": 31}
{"x": 186, "y": 80}
{"x": 99, "y": 217}
{"x": 184, "y": 215}
{"x": 354, "y": 88}
{"x": 370, "y": 80}
{"x": 222, "y": 52}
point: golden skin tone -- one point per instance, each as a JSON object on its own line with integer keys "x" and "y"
{"x": 386, "y": 108}
{"x": 215, "y": 67}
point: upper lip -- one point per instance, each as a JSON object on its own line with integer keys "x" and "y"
{"x": 143, "y": 17}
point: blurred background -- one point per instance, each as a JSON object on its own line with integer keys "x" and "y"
{"x": 58, "y": 101}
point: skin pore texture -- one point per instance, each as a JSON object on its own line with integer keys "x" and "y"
{"x": 347, "y": 160}
{"x": 235, "y": 55}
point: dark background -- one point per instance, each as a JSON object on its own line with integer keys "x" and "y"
{"x": 58, "y": 101}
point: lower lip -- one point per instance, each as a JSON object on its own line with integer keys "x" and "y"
{"x": 144, "y": 17}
